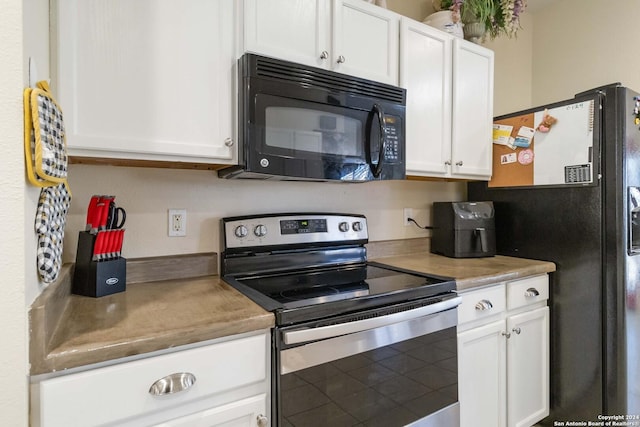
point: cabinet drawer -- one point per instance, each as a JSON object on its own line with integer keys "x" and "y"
{"x": 106, "y": 395}
{"x": 527, "y": 291}
{"x": 481, "y": 303}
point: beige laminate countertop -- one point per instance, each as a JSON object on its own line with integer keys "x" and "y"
{"x": 146, "y": 317}
{"x": 69, "y": 331}
{"x": 470, "y": 272}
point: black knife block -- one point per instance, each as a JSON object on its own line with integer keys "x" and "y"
{"x": 97, "y": 278}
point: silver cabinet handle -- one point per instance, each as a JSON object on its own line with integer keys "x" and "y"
{"x": 341, "y": 59}
{"x": 324, "y": 54}
{"x": 517, "y": 330}
{"x": 174, "y": 383}
{"x": 228, "y": 142}
{"x": 448, "y": 163}
{"x": 506, "y": 334}
{"x": 459, "y": 163}
{"x": 531, "y": 292}
{"x": 262, "y": 421}
{"x": 483, "y": 305}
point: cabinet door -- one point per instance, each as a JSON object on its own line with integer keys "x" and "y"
{"x": 471, "y": 153}
{"x": 293, "y": 30}
{"x": 243, "y": 413}
{"x": 425, "y": 71}
{"x": 528, "y": 367}
{"x": 365, "y": 41}
{"x": 148, "y": 79}
{"x": 481, "y": 373}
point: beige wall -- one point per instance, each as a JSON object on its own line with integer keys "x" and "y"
{"x": 513, "y": 69}
{"x": 147, "y": 194}
{"x": 584, "y": 44}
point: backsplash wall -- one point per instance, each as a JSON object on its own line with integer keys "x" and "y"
{"x": 148, "y": 193}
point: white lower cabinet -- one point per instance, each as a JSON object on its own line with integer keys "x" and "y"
{"x": 528, "y": 367}
{"x": 482, "y": 375}
{"x": 244, "y": 413}
{"x": 225, "y": 383}
{"x": 503, "y": 354}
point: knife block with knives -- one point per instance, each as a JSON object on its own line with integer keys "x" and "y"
{"x": 100, "y": 268}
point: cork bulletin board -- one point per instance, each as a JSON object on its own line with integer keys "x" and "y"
{"x": 525, "y": 155}
{"x": 512, "y": 174}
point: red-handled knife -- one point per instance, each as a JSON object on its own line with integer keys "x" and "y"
{"x": 92, "y": 210}
{"x": 98, "y": 247}
{"x": 104, "y": 203}
{"x": 109, "y": 242}
{"x": 120, "y": 241}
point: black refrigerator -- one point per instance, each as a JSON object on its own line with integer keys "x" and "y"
{"x": 566, "y": 189}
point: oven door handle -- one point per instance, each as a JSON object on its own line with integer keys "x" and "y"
{"x": 323, "y": 332}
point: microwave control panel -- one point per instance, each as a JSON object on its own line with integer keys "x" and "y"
{"x": 393, "y": 130}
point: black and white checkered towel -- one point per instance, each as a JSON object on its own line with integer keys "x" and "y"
{"x": 51, "y": 216}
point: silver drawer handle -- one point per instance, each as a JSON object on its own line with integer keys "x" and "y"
{"x": 483, "y": 305}
{"x": 459, "y": 163}
{"x": 228, "y": 142}
{"x": 174, "y": 383}
{"x": 516, "y": 330}
{"x": 324, "y": 54}
{"x": 341, "y": 59}
{"x": 531, "y": 292}
{"x": 506, "y": 334}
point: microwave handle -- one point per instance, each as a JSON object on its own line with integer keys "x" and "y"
{"x": 376, "y": 169}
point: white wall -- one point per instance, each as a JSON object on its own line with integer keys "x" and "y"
{"x": 13, "y": 209}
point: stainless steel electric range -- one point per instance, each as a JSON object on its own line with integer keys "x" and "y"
{"x": 355, "y": 342}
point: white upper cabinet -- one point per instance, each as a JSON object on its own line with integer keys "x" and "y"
{"x": 147, "y": 79}
{"x": 295, "y": 30}
{"x": 471, "y": 137}
{"x": 425, "y": 70}
{"x": 365, "y": 40}
{"x": 348, "y": 36}
{"x": 449, "y": 84}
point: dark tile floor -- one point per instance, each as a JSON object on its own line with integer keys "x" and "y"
{"x": 391, "y": 386}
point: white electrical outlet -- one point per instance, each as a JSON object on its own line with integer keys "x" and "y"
{"x": 177, "y": 222}
{"x": 408, "y": 213}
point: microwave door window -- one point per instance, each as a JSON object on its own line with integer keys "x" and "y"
{"x": 308, "y": 133}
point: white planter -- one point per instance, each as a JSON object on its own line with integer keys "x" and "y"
{"x": 443, "y": 20}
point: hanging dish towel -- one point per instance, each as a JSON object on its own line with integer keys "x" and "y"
{"x": 46, "y": 160}
{"x": 44, "y": 137}
{"x": 51, "y": 217}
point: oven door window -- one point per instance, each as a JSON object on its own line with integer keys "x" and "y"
{"x": 394, "y": 384}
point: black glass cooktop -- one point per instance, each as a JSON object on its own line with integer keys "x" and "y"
{"x": 317, "y": 293}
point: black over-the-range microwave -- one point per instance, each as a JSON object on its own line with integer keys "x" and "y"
{"x": 298, "y": 122}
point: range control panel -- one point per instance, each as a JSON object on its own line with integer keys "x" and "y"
{"x": 293, "y": 229}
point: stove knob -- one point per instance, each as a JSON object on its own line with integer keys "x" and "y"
{"x": 343, "y": 226}
{"x": 260, "y": 230}
{"x": 357, "y": 226}
{"x": 240, "y": 231}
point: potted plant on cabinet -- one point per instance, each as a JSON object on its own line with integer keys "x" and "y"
{"x": 485, "y": 18}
